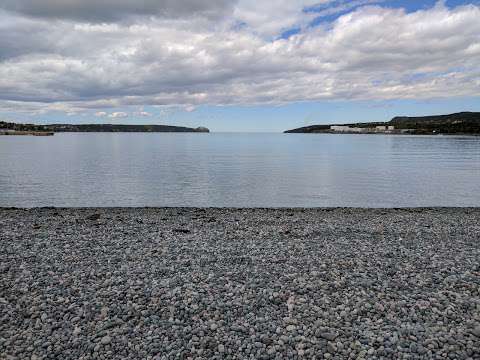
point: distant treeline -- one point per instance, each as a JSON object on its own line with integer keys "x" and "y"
{"x": 458, "y": 123}
{"x": 99, "y": 128}
{"x": 22, "y": 127}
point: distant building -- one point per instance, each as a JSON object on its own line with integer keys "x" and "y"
{"x": 340, "y": 128}
{"x": 357, "y": 129}
{"x": 390, "y": 127}
{"x": 380, "y": 128}
{"x": 348, "y": 129}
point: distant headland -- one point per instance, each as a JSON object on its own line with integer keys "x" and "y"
{"x": 462, "y": 123}
{"x": 32, "y": 129}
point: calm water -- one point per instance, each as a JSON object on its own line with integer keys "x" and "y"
{"x": 239, "y": 170}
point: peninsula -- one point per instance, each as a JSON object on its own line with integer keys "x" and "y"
{"x": 18, "y": 129}
{"x": 463, "y": 123}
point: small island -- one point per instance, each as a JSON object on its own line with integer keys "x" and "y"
{"x": 7, "y": 128}
{"x": 463, "y": 123}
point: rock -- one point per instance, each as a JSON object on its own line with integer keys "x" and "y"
{"x": 182, "y": 231}
{"x": 93, "y": 217}
{"x": 328, "y": 335}
{"x": 106, "y": 340}
{"x": 104, "y": 312}
{"x": 239, "y": 288}
{"x": 331, "y": 348}
{"x": 476, "y": 331}
{"x": 291, "y": 327}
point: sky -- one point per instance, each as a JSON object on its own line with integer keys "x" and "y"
{"x": 237, "y": 65}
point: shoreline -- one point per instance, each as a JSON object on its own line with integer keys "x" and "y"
{"x": 381, "y": 133}
{"x": 27, "y": 133}
{"x": 233, "y": 283}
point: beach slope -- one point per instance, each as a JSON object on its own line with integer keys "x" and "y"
{"x": 239, "y": 283}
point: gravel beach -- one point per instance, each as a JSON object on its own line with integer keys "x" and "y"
{"x": 175, "y": 283}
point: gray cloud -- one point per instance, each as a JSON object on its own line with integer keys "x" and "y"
{"x": 114, "y": 10}
{"x": 371, "y": 53}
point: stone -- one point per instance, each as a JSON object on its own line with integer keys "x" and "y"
{"x": 476, "y": 331}
{"x": 328, "y": 335}
{"x": 106, "y": 340}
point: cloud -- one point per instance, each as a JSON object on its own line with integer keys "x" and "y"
{"x": 116, "y": 10}
{"x": 190, "y": 108}
{"x": 143, "y": 113}
{"x": 372, "y": 52}
{"x": 323, "y": 10}
{"x": 269, "y": 18}
{"x": 118, "y": 114}
{"x": 113, "y": 115}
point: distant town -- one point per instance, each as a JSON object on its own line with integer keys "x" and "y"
{"x": 382, "y": 129}
{"x": 462, "y": 123}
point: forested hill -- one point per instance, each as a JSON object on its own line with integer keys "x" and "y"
{"x": 457, "y": 123}
{"x": 121, "y": 128}
{"x": 452, "y": 119}
{"x": 99, "y": 128}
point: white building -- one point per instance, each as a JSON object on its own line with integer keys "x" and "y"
{"x": 344, "y": 128}
{"x": 340, "y": 128}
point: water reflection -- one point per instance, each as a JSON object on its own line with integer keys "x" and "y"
{"x": 239, "y": 170}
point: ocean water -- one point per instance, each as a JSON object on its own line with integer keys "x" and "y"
{"x": 239, "y": 170}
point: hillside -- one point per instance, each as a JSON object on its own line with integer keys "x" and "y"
{"x": 99, "y": 128}
{"x": 457, "y": 123}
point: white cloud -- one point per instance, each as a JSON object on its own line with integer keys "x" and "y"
{"x": 100, "y": 114}
{"x": 342, "y": 6}
{"x": 118, "y": 114}
{"x": 268, "y": 18}
{"x": 180, "y": 61}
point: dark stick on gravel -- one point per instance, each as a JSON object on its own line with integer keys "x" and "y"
{"x": 239, "y": 283}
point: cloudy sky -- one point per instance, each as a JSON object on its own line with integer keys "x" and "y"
{"x": 237, "y": 65}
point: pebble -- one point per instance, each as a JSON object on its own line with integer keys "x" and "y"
{"x": 476, "y": 331}
{"x": 106, "y": 340}
{"x": 328, "y": 336}
{"x": 254, "y": 283}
